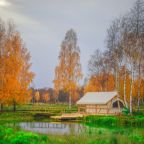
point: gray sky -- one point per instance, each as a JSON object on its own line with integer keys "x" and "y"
{"x": 43, "y": 24}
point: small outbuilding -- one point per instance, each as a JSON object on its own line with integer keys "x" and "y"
{"x": 100, "y": 103}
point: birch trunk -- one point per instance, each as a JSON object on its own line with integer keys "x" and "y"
{"x": 125, "y": 101}
{"x": 131, "y": 89}
{"x": 139, "y": 86}
{"x": 116, "y": 79}
{"x": 70, "y": 97}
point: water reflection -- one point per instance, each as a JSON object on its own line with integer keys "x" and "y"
{"x": 53, "y": 128}
{"x": 63, "y": 128}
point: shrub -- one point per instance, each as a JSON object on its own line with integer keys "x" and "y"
{"x": 101, "y": 120}
{"x": 12, "y": 136}
{"x": 125, "y": 111}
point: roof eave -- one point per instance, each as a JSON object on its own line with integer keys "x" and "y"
{"x": 91, "y": 103}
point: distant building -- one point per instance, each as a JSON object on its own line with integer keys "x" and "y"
{"x": 100, "y": 103}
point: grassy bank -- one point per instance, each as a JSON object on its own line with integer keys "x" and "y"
{"x": 34, "y": 112}
{"x": 115, "y": 120}
{"x": 16, "y": 116}
{"x": 9, "y": 117}
{"x": 54, "y": 109}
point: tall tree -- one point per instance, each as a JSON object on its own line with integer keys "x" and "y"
{"x": 68, "y": 72}
{"x": 15, "y": 74}
{"x": 115, "y": 49}
{"x": 101, "y": 78}
{"x": 2, "y": 38}
{"x": 133, "y": 40}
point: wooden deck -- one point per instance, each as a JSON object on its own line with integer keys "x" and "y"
{"x": 70, "y": 116}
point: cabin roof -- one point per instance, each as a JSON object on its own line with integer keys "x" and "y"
{"x": 97, "y": 97}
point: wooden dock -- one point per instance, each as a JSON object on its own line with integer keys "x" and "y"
{"x": 70, "y": 116}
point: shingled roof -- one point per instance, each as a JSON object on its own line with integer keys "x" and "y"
{"x": 97, "y": 97}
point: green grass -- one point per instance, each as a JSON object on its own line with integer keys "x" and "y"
{"x": 116, "y": 120}
{"x": 29, "y": 112}
{"x": 13, "y": 136}
{"x": 54, "y": 109}
{"x": 16, "y": 116}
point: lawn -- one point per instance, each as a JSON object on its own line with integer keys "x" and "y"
{"x": 34, "y": 112}
{"x": 41, "y": 107}
{"x": 132, "y": 121}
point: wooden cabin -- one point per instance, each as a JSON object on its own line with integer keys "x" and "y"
{"x": 100, "y": 103}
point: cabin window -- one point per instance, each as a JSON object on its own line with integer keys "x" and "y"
{"x": 115, "y": 104}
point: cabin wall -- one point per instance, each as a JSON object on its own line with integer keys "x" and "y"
{"x": 115, "y": 111}
{"x": 93, "y": 109}
{"x": 98, "y": 109}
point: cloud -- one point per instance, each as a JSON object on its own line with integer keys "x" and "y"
{"x": 18, "y": 18}
{"x": 4, "y": 3}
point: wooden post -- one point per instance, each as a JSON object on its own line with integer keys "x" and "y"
{"x": 78, "y": 109}
{"x": 107, "y": 110}
{"x": 96, "y": 109}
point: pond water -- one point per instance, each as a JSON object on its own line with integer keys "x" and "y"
{"x": 53, "y": 127}
{"x": 62, "y": 128}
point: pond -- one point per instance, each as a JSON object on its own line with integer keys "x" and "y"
{"x": 59, "y": 128}
{"x": 69, "y": 128}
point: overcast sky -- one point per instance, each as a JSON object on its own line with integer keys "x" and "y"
{"x": 43, "y": 24}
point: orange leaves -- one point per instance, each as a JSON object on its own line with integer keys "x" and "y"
{"x": 101, "y": 82}
{"x": 46, "y": 97}
{"x": 136, "y": 88}
{"x": 15, "y": 75}
{"x": 70, "y": 86}
{"x": 68, "y": 72}
{"x": 37, "y": 96}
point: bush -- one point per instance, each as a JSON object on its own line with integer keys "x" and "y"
{"x": 137, "y": 138}
{"x": 138, "y": 113}
{"x": 23, "y": 138}
{"x": 115, "y": 120}
{"x": 101, "y": 120}
{"x": 12, "y": 136}
{"x": 125, "y": 111}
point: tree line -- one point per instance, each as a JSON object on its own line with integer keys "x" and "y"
{"x": 121, "y": 66}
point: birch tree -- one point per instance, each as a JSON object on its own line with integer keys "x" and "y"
{"x": 68, "y": 73}
{"x": 15, "y": 75}
{"x": 137, "y": 27}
